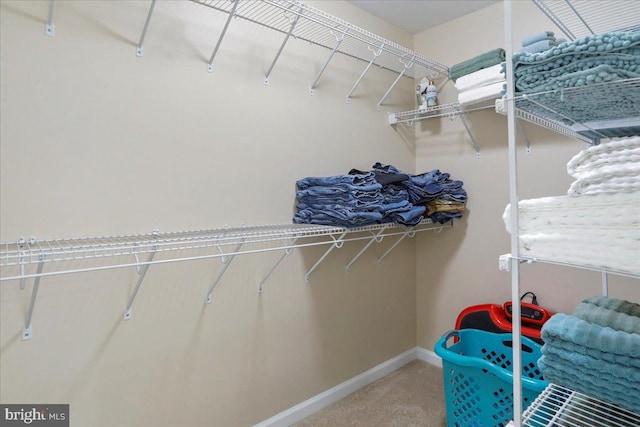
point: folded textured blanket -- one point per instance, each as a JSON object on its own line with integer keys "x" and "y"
{"x": 614, "y": 178}
{"x": 614, "y": 152}
{"x": 608, "y": 318}
{"x": 594, "y": 353}
{"x": 575, "y": 229}
{"x": 484, "y": 60}
{"x": 625, "y": 375}
{"x": 484, "y": 93}
{"x": 480, "y": 78}
{"x": 591, "y": 384}
{"x": 615, "y": 304}
{"x": 577, "y": 332}
{"x": 536, "y": 37}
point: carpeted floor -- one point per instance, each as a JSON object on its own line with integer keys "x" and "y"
{"x": 411, "y": 396}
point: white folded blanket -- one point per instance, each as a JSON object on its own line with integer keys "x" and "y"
{"x": 608, "y": 178}
{"x": 484, "y": 77}
{"x": 601, "y": 231}
{"x": 618, "y": 151}
{"x": 484, "y": 93}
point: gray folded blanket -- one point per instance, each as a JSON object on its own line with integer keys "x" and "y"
{"x": 477, "y": 63}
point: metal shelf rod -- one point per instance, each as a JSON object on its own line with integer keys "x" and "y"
{"x": 50, "y": 28}
{"x": 286, "y": 252}
{"x": 140, "y": 47}
{"x": 26, "y": 332}
{"x": 224, "y": 31}
{"x": 226, "y": 263}
{"x": 339, "y": 40}
{"x": 293, "y": 25}
{"x": 141, "y": 274}
{"x": 376, "y": 54}
{"x": 376, "y": 238}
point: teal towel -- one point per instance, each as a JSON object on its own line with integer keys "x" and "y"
{"x": 596, "y": 354}
{"x": 536, "y": 37}
{"x": 590, "y": 383}
{"x": 477, "y": 63}
{"x": 539, "y": 46}
{"x": 615, "y": 304}
{"x": 577, "y": 332}
{"x": 606, "y": 317}
{"x": 616, "y": 372}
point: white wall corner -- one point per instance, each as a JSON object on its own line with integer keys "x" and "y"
{"x": 429, "y": 357}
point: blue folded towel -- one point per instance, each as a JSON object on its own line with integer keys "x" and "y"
{"x": 616, "y": 372}
{"x": 615, "y": 304}
{"x": 607, "y": 318}
{"x": 536, "y": 37}
{"x": 596, "y": 354}
{"x": 578, "y": 332}
{"x": 593, "y": 385}
{"x": 539, "y": 46}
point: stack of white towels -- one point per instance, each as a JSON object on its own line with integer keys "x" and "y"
{"x": 598, "y": 223}
{"x": 482, "y": 85}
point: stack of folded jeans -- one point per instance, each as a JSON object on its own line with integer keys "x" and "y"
{"x": 384, "y": 194}
{"x": 442, "y": 197}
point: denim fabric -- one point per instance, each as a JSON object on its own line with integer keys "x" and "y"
{"x": 384, "y": 194}
{"x": 363, "y": 178}
{"x": 317, "y": 190}
{"x": 343, "y": 217}
{"x": 411, "y": 217}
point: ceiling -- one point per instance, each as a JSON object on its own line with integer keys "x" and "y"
{"x": 415, "y": 16}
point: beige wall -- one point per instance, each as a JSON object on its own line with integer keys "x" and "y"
{"x": 98, "y": 142}
{"x": 456, "y": 270}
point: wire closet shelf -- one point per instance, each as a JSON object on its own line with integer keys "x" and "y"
{"x": 558, "y": 406}
{"x": 322, "y": 29}
{"x": 184, "y": 245}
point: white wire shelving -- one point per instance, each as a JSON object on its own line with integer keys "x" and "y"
{"x": 559, "y": 406}
{"x": 452, "y": 110}
{"x": 26, "y": 258}
{"x": 588, "y": 114}
{"x": 304, "y": 22}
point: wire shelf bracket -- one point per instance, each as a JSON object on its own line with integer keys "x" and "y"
{"x": 377, "y": 237}
{"x": 287, "y": 251}
{"x": 232, "y": 14}
{"x": 226, "y": 262}
{"x": 50, "y": 27}
{"x": 142, "y": 272}
{"x": 337, "y": 243}
{"x": 293, "y": 21}
{"x": 376, "y": 54}
{"x": 27, "y": 331}
{"x": 140, "y": 45}
{"x": 407, "y": 66}
{"x": 339, "y": 38}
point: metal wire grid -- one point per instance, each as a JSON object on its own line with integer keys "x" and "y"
{"x": 559, "y": 406}
{"x": 322, "y": 29}
{"x": 450, "y": 110}
{"x": 579, "y": 18}
{"x": 32, "y": 252}
{"x": 566, "y": 110}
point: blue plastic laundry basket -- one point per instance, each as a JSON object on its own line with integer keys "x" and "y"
{"x": 478, "y": 377}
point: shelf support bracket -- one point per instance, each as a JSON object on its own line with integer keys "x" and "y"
{"x": 408, "y": 233}
{"x": 26, "y": 332}
{"x": 524, "y": 136}
{"x": 407, "y": 65}
{"x": 293, "y": 22}
{"x": 336, "y": 244}
{"x": 224, "y": 31}
{"x": 473, "y": 140}
{"x": 141, "y": 273}
{"x": 50, "y": 28}
{"x": 376, "y": 238}
{"x": 339, "y": 37}
{"x": 140, "y": 47}
{"x": 283, "y": 256}
{"x": 376, "y": 54}
{"x": 226, "y": 263}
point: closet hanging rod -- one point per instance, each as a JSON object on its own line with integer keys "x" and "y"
{"x": 109, "y": 248}
{"x": 314, "y": 27}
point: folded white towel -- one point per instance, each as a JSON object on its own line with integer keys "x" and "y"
{"x": 613, "y": 152}
{"x": 484, "y": 93}
{"x": 480, "y": 78}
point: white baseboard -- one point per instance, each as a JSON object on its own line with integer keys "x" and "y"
{"x": 326, "y": 398}
{"x": 429, "y": 357}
